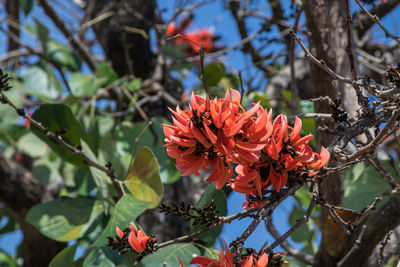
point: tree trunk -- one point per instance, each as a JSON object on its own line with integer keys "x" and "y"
{"x": 326, "y": 22}
{"x": 19, "y": 191}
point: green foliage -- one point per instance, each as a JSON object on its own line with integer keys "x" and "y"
{"x": 125, "y": 135}
{"x": 56, "y": 117}
{"x": 61, "y": 55}
{"x": 26, "y": 6}
{"x": 81, "y": 84}
{"x": 126, "y": 211}
{"x": 31, "y": 145}
{"x": 105, "y": 75}
{"x": 64, "y": 219}
{"x": 65, "y": 258}
{"x": 143, "y": 179}
{"x": 213, "y": 73}
{"x": 6, "y": 260}
{"x": 100, "y": 178}
{"x": 211, "y": 193}
{"x": 362, "y": 185}
{"x": 38, "y": 82}
{"x": 169, "y": 255}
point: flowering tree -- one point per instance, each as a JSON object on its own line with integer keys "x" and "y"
{"x": 104, "y": 145}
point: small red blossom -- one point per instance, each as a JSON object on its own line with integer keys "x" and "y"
{"x": 136, "y": 238}
{"x": 225, "y": 259}
{"x": 191, "y": 40}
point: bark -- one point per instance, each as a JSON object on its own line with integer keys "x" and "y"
{"x": 12, "y": 8}
{"x": 19, "y": 191}
{"x": 129, "y": 52}
{"x": 325, "y": 21}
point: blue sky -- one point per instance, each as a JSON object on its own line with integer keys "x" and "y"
{"x": 215, "y": 16}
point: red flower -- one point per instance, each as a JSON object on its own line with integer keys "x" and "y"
{"x": 137, "y": 239}
{"x": 225, "y": 260}
{"x": 119, "y": 232}
{"x": 220, "y": 132}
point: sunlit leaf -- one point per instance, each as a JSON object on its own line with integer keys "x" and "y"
{"x": 64, "y": 219}
{"x": 81, "y": 84}
{"x": 143, "y": 179}
{"x": 56, "y": 117}
{"x": 169, "y": 255}
{"x": 65, "y": 258}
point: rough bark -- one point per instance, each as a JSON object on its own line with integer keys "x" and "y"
{"x": 12, "y": 8}
{"x": 325, "y": 19}
{"x": 19, "y": 191}
{"x": 129, "y": 52}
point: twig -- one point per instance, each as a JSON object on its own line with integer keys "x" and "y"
{"x": 347, "y": 227}
{"x": 349, "y": 51}
{"x": 384, "y": 172}
{"x": 378, "y": 22}
{"x": 241, "y": 85}
{"x": 367, "y": 211}
{"x": 264, "y": 212}
{"x": 83, "y": 51}
{"x": 384, "y": 242}
{"x": 379, "y": 138}
{"x": 357, "y": 243}
{"x": 311, "y": 116}
{"x": 300, "y": 221}
{"x": 295, "y": 253}
{"x": 203, "y": 78}
{"x": 58, "y": 139}
{"x": 223, "y": 220}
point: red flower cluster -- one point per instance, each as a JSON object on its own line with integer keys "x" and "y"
{"x": 137, "y": 239}
{"x": 226, "y": 260}
{"x": 191, "y": 40}
{"x": 222, "y": 133}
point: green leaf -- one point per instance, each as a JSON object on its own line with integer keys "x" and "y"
{"x": 100, "y": 177}
{"x": 56, "y": 117}
{"x": 26, "y": 6}
{"x": 104, "y": 257}
{"x": 9, "y": 132}
{"x": 62, "y": 55}
{"x": 305, "y": 231}
{"x": 39, "y": 83}
{"x": 262, "y": 98}
{"x": 213, "y": 73}
{"x": 362, "y": 185}
{"x": 81, "y": 84}
{"x": 31, "y": 145}
{"x": 211, "y": 193}
{"x": 104, "y": 75}
{"x": 46, "y": 168}
{"x": 42, "y": 32}
{"x": 169, "y": 255}
{"x": 143, "y": 179}
{"x": 135, "y": 84}
{"x": 127, "y": 210}
{"x": 65, "y": 258}
{"x": 6, "y": 260}
{"x": 125, "y": 136}
{"x": 64, "y": 219}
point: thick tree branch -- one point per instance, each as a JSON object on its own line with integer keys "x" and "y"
{"x": 378, "y": 224}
